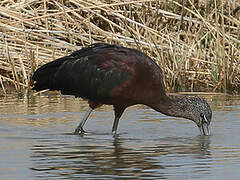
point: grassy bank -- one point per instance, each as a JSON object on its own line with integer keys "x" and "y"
{"x": 196, "y": 42}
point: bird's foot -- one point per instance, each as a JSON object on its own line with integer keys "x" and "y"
{"x": 114, "y": 133}
{"x": 79, "y": 130}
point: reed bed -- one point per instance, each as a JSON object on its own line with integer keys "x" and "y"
{"x": 195, "y": 42}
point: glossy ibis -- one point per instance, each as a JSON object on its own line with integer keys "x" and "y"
{"x": 118, "y": 76}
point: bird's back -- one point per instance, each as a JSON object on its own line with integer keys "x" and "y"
{"x": 103, "y": 73}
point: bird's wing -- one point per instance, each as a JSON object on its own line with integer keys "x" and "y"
{"x": 92, "y": 76}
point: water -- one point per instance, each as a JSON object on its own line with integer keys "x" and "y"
{"x": 36, "y": 142}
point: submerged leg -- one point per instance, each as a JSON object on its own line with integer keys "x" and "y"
{"x": 79, "y": 129}
{"x": 118, "y": 113}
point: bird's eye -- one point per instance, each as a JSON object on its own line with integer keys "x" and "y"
{"x": 203, "y": 118}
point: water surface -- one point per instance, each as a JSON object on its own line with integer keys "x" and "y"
{"x": 36, "y": 142}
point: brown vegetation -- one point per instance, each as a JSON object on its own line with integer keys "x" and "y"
{"x": 196, "y": 42}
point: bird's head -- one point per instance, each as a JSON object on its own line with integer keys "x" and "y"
{"x": 199, "y": 111}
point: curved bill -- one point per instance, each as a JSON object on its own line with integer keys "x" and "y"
{"x": 204, "y": 130}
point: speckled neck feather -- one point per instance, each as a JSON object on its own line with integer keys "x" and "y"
{"x": 186, "y": 107}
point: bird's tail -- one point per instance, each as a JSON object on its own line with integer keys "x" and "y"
{"x": 44, "y": 75}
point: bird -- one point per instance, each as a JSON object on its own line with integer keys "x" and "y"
{"x": 111, "y": 74}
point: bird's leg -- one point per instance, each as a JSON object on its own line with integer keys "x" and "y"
{"x": 79, "y": 129}
{"x": 115, "y": 125}
{"x": 118, "y": 113}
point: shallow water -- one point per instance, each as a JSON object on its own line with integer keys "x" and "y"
{"x": 36, "y": 142}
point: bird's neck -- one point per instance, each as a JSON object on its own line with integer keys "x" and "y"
{"x": 171, "y": 107}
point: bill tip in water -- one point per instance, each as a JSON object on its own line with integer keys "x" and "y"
{"x": 204, "y": 130}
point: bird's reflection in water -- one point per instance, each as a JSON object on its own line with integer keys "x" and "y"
{"x": 106, "y": 157}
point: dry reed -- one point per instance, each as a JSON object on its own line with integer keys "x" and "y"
{"x": 196, "y": 43}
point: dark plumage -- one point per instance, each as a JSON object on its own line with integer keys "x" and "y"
{"x": 118, "y": 76}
